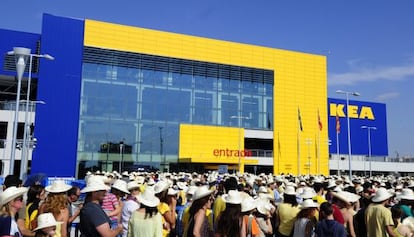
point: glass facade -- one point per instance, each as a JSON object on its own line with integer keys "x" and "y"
{"x": 132, "y": 104}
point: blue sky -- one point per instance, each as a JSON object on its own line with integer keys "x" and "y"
{"x": 369, "y": 44}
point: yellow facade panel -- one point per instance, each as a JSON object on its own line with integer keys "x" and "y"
{"x": 300, "y": 82}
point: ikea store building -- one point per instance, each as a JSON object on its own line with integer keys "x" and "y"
{"x": 121, "y": 98}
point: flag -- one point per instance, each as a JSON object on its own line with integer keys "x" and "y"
{"x": 300, "y": 120}
{"x": 319, "y": 122}
{"x": 338, "y": 125}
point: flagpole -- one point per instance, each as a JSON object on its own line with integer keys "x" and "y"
{"x": 318, "y": 143}
{"x": 337, "y": 151}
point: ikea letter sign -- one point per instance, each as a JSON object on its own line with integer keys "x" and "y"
{"x": 354, "y": 111}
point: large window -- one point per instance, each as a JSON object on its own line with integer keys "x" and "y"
{"x": 140, "y": 100}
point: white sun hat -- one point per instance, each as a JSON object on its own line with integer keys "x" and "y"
{"x": 308, "y": 193}
{"x": 172, "y": 192}
{"x": 290, "y": 190}
{"x": 381, "y": 194}
{"x": 309, "y": 203}
{"x": 232, "y": 197}
{"x": 346, "y": 196}
{"x": 58, "y": 186}
{"x": 248, "y": 204}
{"x": 191, "y": 190}
{"x": 264, "y": 207}
{"x": 201, "y": 192}
{"x": 160, "y": 186}
{"x": 11, "y": 193}
{"x": 262, "y": 189}
{"x": 406, "y": 194}
{"x": 148, "y": 198}
{"x": 121, "y": 185}
{"x": 151, "y": 182}
{"x": 132, "y": 185}
{"x": 46, "y": 220}
{"x": 95, "y": 183}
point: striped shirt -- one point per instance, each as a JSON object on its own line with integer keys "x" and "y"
{"x": 109, "y": 203}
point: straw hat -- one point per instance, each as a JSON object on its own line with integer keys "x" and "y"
{"x": 290, "y": 190}
{"x": 248, "y": 204}
{"x": 132, "y": 185}
{"x": 161, "y": 186}
{"x": 308, "y": 193}
{"x": 201, "y": 192}
{"x": 191, "y": 190}
{"x": 381, "y": 195}
{"x": 121, "y": 185}
{"x": 309, "y": 203}
{"x": 172, "y": 192}
{"x": 264, "y": 208}
{"x": 232, "y": 197}
{"x": 11, "y": 193}
{"x": 406, "y": 194}
{"x": 46, "y": 220}
{"x": 346, "y": 196}
{"x": 58, "y": 186}
{"x": 148, "y": 198}
{"x": 95, "y": 183}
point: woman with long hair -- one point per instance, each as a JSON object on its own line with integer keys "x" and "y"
{"x": 166, "y": 207}
{"x": 57, "y": 203}
{"x": 230, "y": 221}
{"x": 198, "y": 225}
{"x": 287, "y": 212}
{"x": 11, "y": 201}
{"x": 35, "y": 195}
{"x": 146, "y": 221}
{"x": 306, "y": 219}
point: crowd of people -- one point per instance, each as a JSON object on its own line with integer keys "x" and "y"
{"x": 140, "y": 204}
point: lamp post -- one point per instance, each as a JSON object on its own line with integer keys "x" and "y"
{"x": 369, "y": 128}
{"x": 21, "y": 56}
{"x": 26, "y": 138}
{"x": 121, "y": 154}
{"x": 240, "y": 120}
{"x": 347, "y": 93}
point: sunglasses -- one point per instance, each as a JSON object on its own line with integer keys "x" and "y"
{"x": 20, "y": 199}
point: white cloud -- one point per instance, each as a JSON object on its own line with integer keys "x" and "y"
{"x": 387, "y": 96}
{"x": 369, "y": 74}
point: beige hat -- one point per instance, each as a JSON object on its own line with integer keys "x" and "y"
{"x": 290, "y": 190}
{"x": 46, "y": 220}
{"x": 232, "y": 197}
{"x": 95, "y": 183}
{"x": 406, "y": 194}
{"x": 11, "y": 193}
{"x": 264, "y": 207}
{"x": 201, "y": 192}
{"x": 309, "y": 203}
{"x": 121, "y": 185}
{"x": 132, "y": 185}
{"x": 58, "y": 186}
{"x": 248, "y": 204}
{"x": 381, "y": 195}
{"x": 161, "y": 186}
{"x": 148, "y": 198}
{"x": 346, "y": 196}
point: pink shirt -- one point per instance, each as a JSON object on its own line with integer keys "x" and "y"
{"x": 109, "y": 203}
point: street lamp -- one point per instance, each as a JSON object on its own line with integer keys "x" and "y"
{"x": 347, "y": 93}
{"x": 21, "y": 56}
{"x": 240, "y": 118}
{"x": 26, "y": 139}
{"x": 121, "y": 154}
{"x": 369, "y": 146}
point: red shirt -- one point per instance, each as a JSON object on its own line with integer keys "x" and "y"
{"x": 337, "y": 214}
